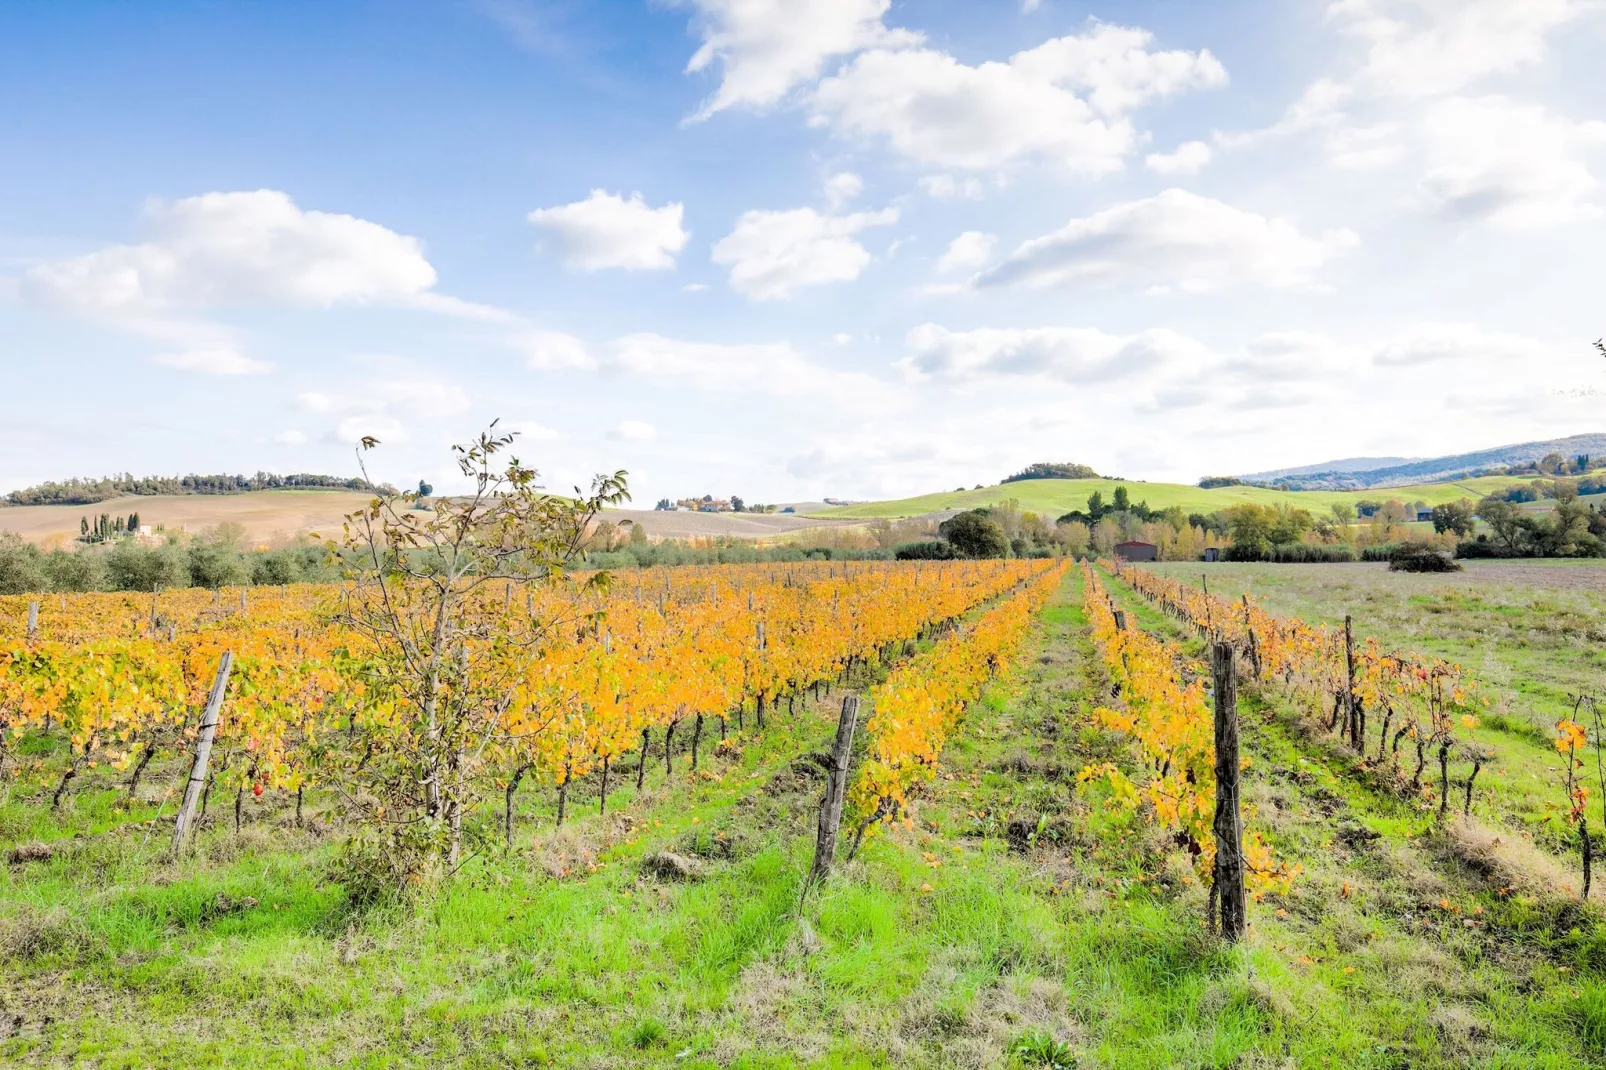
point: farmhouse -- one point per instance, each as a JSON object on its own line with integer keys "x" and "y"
{"x": 1137, "y": 551}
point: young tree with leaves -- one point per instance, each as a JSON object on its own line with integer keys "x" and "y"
{"x": 445, "y": 646}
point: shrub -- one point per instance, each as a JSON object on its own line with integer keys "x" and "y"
{"x": 1415, "y": 557}
{"x": 21, "y": 565}
{"x": 1300, "y": 553}
{"x": 975, "y": 535}
{"x": 83, "y": 570}
{"x": 1383, "y": 552}
{"x": 935, "y": 550}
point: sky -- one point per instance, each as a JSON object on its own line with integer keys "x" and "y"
{"x": 791, "y": 249}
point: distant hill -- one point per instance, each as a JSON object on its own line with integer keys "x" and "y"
{"x": 91, "y": 491}
{"x": 1054, "y": 497}
{"x": 1349, "y": 475}
{"x": 1348, "y": 465}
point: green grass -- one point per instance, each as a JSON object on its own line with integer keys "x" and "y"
{"x": 1053, "y": 497}
{"x": 1022, "y": 921}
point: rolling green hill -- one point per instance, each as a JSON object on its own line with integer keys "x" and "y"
{"x": 1052, "y": 497}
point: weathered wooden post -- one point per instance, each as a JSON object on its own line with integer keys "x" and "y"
{"x": 1254, "y": 644}
{"x": 1349, "y": 680}
{"x": 1228, "y": 883}
{"x": 203, "y": 750}
{"x": 33, "y": 620}
{"x": 1120, "y": 620}
{"x": 835, "y": 786}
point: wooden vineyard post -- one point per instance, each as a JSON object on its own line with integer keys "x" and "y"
{"x": 1254, "y": 644}
{"x": 33, "y": 620}
{"x": 835, "y": 786}
{"x": 203, "y": 750}
{"x": 1349, "y": 680}
{"x": 1228, "y": 883}
{"x": 1120, "y": 620}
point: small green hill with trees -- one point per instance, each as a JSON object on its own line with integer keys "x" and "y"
{"x": 1055, "y": 497}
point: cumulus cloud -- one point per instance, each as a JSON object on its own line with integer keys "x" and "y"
{"x": 842, "y": 187}
{"x": 633, "y": 431}
{"x": 291, "y": 437}
{"x": 1514, "y": 165}
{"x": 1423, "y": 47}
{"x": 967, "y": 252}
{"x": 766, "y": 48}
{"x": 1190, "y": 158}
{"x": 233, "y": 250}
{"x": 1173, "y": 239}
{"x": 213, "y": 362}
{"x": 771, "y": 255}
{"x": 255, "y": 248}
{"x": 1069, "y": 354}
{"x": 608, "y": 231}
{"x": 1063, "y": 102}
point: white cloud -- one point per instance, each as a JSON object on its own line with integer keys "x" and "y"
{"x": 842, "y": 338}
{"x": 967, "y": 252}
{"x": 946, "y": 187}
{"x": 253, "y": 248}
{"x": 1514, "y": 165}
{"x": 633, "y": 431}
{"x": 934, "y": 109}
{"x": 1190, "y": 158}
{"x": 842, "y": 187}
{"x": 765, "y": 48}
{"x": 1028, "y": 6}
{"x": 773, "y": 254}
{"x": 291, "y": 437}
{"x": 530, "y": 431}
{"x": 607, "y": 231}
{"x": 1464, "y": 344}
{"x": 380, "y": 408}
{"x": 1173, "y": 239}
{"x": 1069, "y": 354}
{"x": 768, "y": 368}
{"x": 553, "y": 350}
{"x": 1423, "y": 47}
{"x": 213, "y": 362}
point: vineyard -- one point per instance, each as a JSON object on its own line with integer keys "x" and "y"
{"x": 1032, "y": 851}
{"x": 584, "y": 678}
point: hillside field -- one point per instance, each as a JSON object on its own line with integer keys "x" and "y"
{"x": 1053, "y": 497}
{"x": 274, "y": 517}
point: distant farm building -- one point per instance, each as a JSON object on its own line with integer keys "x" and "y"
{"x": 1212, "y": 553}
{"x": 1137, "y": 551}
{"x": 1424, "y": 514}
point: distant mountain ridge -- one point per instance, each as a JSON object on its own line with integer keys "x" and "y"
{"x": 1348, "y": 465}
{"x": 1362, "y": 473}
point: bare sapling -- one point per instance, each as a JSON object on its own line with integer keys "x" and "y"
{"x": 443, "y": 652}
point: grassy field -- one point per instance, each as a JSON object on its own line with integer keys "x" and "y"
{"x": 1053, "y": 497}
{"x": 1020, "y": 921}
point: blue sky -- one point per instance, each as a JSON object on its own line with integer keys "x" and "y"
{"x": 796, "y": 248}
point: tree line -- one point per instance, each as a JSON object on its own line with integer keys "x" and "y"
{"x": 89, "y": 491}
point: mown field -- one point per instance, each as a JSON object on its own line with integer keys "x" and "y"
{"x": 1018, "y": 918}
{"x": 1053, "y": 497}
